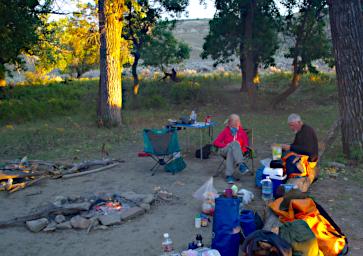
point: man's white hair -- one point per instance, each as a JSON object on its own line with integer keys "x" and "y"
{"x": 294, "y": 118}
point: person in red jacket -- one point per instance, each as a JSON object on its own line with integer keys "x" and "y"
{"x": 232, "y": 142}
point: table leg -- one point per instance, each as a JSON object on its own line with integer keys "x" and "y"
{"x": 201, "y": 144}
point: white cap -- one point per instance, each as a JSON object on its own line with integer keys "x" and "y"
{"x": 166, "y": 235}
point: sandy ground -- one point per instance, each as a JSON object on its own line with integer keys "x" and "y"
{"x": 143, "y": 235}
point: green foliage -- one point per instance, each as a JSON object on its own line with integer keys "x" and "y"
{"x": 19, "y": 21}
{"x": 70, "y": 44}
{"x": 141, "y": 28}
{"x": 40, "y": 102}
{"x": 226, "y": 39}
{"x": 162, "y": 48}
{"x": 308, "y": 30}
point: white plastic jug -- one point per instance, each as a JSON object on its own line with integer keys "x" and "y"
{"x": 267, "y": 192}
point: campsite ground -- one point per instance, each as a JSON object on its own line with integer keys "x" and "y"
{"x": 73, "y": 137}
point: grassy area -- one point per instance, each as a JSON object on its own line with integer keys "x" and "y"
{"x": 57, "y": 121}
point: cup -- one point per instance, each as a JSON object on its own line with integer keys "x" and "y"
{"x": 228, "y": 192}
{"x": 198, "y": 221}
{"x": 276, "y": 152}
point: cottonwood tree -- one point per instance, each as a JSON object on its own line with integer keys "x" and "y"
{"x": 307, "y": 28}
{"x": 246, "y": 29}
{"x": 70, "y": 44}
{"x": 113, "y": 51}
{"x": 162, "y": 48}
{"x": 140, "y": 19}
{"x": 346, "y": 21}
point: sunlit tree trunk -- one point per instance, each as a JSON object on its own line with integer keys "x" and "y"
{"x": 2, "y": 76}
{"x": 110, "y": 88}
{"x": 346, "y": 21}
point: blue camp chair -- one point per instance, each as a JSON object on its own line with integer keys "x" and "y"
{"x": 161, "y": 144}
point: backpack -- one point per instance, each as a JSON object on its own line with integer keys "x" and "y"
{"x": 176, "y": 165}
{"x": 206, "y": 151}
{"x": 263, "y": 242}
{"x": 331, "y": 240}
{"x": 301, "y": 238}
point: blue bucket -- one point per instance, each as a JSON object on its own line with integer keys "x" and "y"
{"x": 247, "y": 220}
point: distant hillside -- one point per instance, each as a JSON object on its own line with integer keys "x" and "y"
{"x": 193, "y": 32}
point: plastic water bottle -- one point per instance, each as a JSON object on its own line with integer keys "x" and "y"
{"x": 193, "y": 117}
{"x": 267, "y": 189}
{"x": 167, "y": 244}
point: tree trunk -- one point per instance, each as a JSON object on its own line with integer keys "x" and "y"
{"x": 249, "y": 53}
{"x": 243, "y": 72}
{"x": 329, "y": 139}
{"x": 346, "y": 21}
{"x": 110, "y": 88}
{"x": 295, "y": 82}
{"x": 134, "y": 72}
{"x": 2, "y": 76}
{"x": 2, "y": 81}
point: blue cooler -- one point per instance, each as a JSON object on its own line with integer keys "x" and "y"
{"x": 276, "y": 182}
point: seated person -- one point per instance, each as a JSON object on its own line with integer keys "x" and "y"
{"x": 232, "y": 142}
{"x": 305, "y": 142}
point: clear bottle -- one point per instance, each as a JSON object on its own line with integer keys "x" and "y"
{"x": 267, "y": 189}
{"x": 193, "y": 116}
{"x": 199, "y": 240}
{"x": 167, "y": 244}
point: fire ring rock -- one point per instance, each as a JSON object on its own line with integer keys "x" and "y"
{"x": 37, "y": 225}
{"x": 110, "y": 219}
{"x": 60, "y": 218}
{"x": 79, "y": 222}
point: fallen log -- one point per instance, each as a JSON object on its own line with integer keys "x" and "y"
{"x": 17, "y": 187}
{"x": 90, "y": 171}
{"x": 88, "y": 164}
{"x": 4, "y": 175}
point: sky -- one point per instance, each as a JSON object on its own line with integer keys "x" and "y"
{"x": 195, "y": 10}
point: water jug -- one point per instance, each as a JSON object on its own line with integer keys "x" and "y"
{"x": 267, "y": 189}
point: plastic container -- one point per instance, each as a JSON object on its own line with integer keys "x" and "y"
{"x": 247, "y": 220}
{"x": 199, "y": 240}
{"x": 198, "y": 221}
{"x": 276, "y": 152}
{"x": 276, "y": 182}
{"x": 267, "y": 189}
{"x": 167, "y": 244}
{"x": 193, "y": 116}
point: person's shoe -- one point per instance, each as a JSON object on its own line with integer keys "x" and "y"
{"x": 230, "y": 179}
{"x": 243, "y": 168}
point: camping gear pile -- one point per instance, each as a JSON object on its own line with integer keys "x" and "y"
{"x": 19, "y": 174}
{"x": 294, "y": 223}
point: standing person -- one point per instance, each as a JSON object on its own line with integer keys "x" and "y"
{"x": 232, "y": 142}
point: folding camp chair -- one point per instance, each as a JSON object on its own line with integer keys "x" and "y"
{"x": 160, "y": 145}
{"x": 249, "y": 155}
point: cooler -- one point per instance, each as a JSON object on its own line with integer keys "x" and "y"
{"x": 276, "y": 182}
